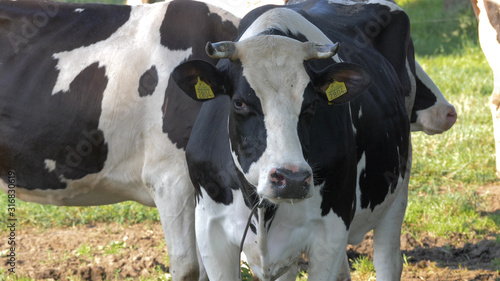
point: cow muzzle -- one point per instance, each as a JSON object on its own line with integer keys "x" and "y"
{"x": 290, "y": 183}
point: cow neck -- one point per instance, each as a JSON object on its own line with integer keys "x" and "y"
{"x": 261, "y": 229}
{"x": 252, "y": 213}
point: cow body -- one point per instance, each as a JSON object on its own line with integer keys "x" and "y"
{"x": 488, "y": 15}
{"x": 358, "y": 152}
{"x": 89, "y": 115}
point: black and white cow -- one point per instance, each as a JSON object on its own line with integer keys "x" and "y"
{"x": 276, "y": 133}
{"x": 88, "y": 115}
{"x": 488, "y": 16}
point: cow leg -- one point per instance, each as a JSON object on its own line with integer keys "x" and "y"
{"x": 345, "y": 271}
{"x": 219, "y": 255}
{"x": 175, "y": 202}
{"x": 326, "y": 257}
{"x": 291, "y": 274}
{"x": 386, "y": 236}
{"x": 386, "y": 242}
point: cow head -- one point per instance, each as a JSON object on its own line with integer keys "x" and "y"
{"x": 272, "y": 94}
{"x": 431, "y": 112}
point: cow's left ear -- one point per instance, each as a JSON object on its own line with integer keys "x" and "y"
{"x": 200, "y": 80}
{"x": 341, "y": 82}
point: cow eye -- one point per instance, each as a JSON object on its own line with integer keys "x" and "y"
{"x": 239, "y": 105}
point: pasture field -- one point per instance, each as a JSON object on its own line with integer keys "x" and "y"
{"x": 452, "y": 224}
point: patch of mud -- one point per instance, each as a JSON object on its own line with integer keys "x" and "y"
{"x": 96, "y": 252}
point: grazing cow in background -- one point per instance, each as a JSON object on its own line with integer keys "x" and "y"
{"x": 431, "y": 112}
{"x": 88, "y": 113}
{"x": 277, "y": 136}
{"x": 488, "y": 16}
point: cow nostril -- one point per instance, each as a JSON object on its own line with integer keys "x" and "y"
{"x": 285, "y": 176}
{"x": 451, "y": 117}
{"x": 278, "y": 178}
{"x": 291, "y": 183}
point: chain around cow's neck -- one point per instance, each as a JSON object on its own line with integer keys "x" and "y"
{"x": 245, "y": 234}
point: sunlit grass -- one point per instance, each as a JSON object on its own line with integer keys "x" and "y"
{"x": 48, "y": 216}
{"x": 447, "y": 213}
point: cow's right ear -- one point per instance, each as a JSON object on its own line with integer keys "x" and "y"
{"x": 200, "y": 80}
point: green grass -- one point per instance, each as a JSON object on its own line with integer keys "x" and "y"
{"x": 462, "y": 158}
{"x": 464, "y": 154}
{"x": 447, "y": 213}
{"x": 363, "y": 269}
{"x": 48, "y": 216}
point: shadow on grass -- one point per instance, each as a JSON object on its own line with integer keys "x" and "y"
{"x": 439, "y": 252}
{"x": 475, "y": 256}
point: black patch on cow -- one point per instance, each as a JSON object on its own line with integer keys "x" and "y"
{"x": 179, "y": 114}
{"x": 333, "y": 158}
{"x": 209, "y": 158}
{"x": 493, "y": 10}
{"x": 61, "y": 128}
{"x": 34, "y": 124}
{"x": 187, "y": 25}
{"x": 36, "y": 23}
{"x": 423, "y": 100}
{"x": 368, "y": 27}
{"x": 247, "y": 131}
{"x": 148, "y": 82}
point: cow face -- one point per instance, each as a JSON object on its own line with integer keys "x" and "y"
{"x": 431, "y": 112}
{"x": 272, "y": 99}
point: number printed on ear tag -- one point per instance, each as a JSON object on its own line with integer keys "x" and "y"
{"x": 203, "y": 91}
{"x": 335, "y": 90}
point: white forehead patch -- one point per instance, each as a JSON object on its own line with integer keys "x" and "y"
{"x": 273, "y": 66}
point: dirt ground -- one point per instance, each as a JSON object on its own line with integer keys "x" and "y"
{"x": 115, "y": 252}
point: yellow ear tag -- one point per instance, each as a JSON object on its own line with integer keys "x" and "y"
{"x": 335, "y": 90}
{"x": 203, "y": 91}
